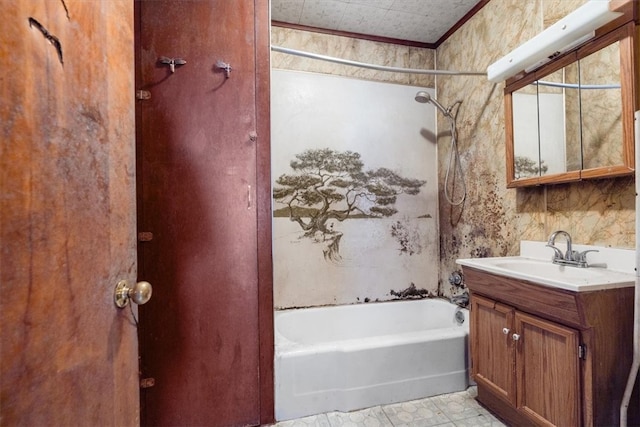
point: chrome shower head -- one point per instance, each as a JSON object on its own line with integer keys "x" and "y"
{"x": 423, "y": 97}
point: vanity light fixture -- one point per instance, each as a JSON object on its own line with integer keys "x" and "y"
{"x": 570, "y": 31}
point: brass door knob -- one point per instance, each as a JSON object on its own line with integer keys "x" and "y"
{"x": 140, "y": 293}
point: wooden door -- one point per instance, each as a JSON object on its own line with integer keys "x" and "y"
{"x": 492, "y": 350}
{"x": 67, "y": 214}
{"x": 548, "y": 372}
{"x": 203, "y": 160}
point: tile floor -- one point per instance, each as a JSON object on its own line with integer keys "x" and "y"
{"x": 447, "y": 410}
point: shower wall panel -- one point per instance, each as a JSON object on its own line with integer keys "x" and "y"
{"x": 355, "y": 191}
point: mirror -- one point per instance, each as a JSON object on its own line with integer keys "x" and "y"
{"x": 546, "y": 129}
{"x": 573, "y": 118}
{"x": 526, "y": 135}
{"x": 601, "y": 101}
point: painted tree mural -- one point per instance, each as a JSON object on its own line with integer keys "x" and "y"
{"x": 332, "y": 185}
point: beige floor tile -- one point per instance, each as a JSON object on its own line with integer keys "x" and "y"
{"x": 312, "y": 421}
{"x": 370, "y": 417}
{"x": 459, "y": 406}
{"x": 480, "y": 421}
{"x": 417, "y": 413}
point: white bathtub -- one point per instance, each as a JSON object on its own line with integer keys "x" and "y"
{"x": 355, "y": 356}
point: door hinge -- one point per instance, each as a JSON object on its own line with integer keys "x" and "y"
{"x": 143, "y": 95}
{"x": 145, "y": 236}
{"x": 147, "y": 382}
{"x": 582, "y": 351}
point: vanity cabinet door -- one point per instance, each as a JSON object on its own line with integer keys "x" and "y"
{"x": 548, "y": 371}
{"x": 492, "y": 347}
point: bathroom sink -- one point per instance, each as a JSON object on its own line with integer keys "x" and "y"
{"x": 544, "y": 272}
{"x": 547, "y": 268}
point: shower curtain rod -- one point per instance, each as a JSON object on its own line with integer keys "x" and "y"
{"x": 575, "y": 85}
{"x": 373, "y": 66}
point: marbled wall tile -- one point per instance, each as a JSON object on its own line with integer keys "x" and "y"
{"x": 422, "y": 59}
{"x": 485, "y": 225}
{"x": 554, "y": 10}
{"x": 529, "y": 216}
{"x": 600, "y": 212}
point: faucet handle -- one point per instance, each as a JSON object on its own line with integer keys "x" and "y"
{"x": 582, "y": 256}
{"x": 557, "y": 254}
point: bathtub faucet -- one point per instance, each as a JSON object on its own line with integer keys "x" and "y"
{"x": 461, "y": 300}
{"x": 571, "y": 257}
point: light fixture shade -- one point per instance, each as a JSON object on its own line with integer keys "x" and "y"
{"x": 573, "y": 29}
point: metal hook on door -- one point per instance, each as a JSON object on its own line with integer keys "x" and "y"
{"x": 224, "y": 66}
{"x": 172, "y": 62}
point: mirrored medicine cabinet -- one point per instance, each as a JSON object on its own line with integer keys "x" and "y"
{"x": 572, "y": 119}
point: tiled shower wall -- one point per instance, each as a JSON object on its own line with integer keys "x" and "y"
{"x": 494, "y": 219}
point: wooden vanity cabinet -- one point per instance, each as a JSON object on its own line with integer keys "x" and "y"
{"x": 520, "y": 358}
{"x": 549, "y": 357}
{"x": 548, "y": 371}
{"x": 493, "y": 362}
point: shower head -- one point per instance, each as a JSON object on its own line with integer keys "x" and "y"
{"x": 423, "y": 97}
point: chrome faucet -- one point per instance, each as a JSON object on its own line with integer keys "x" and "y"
{"x": 570, "y": 257}
{"x": 461, "y": 300}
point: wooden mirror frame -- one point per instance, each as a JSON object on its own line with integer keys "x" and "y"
{"x": 627, "y": 34}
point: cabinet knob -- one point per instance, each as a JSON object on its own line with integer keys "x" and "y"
{"x": 505, "y": 331}
{"x": 516, "y": 337}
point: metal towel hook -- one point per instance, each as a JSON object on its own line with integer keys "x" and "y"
{"x": 224, "y": 66}
{"x": 172, "y": 62}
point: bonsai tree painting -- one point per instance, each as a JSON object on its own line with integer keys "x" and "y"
{"x": 328, "y": 186}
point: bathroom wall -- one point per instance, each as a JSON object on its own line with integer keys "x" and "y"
{"x": 494, "y": 219}
{"x": 352, "y": 49}
{"x": 328, "y": 113}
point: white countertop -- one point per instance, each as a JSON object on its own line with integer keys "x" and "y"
{"x": 609, "y": 268}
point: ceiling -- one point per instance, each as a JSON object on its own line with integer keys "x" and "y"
{"x": 423, "y": 22}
